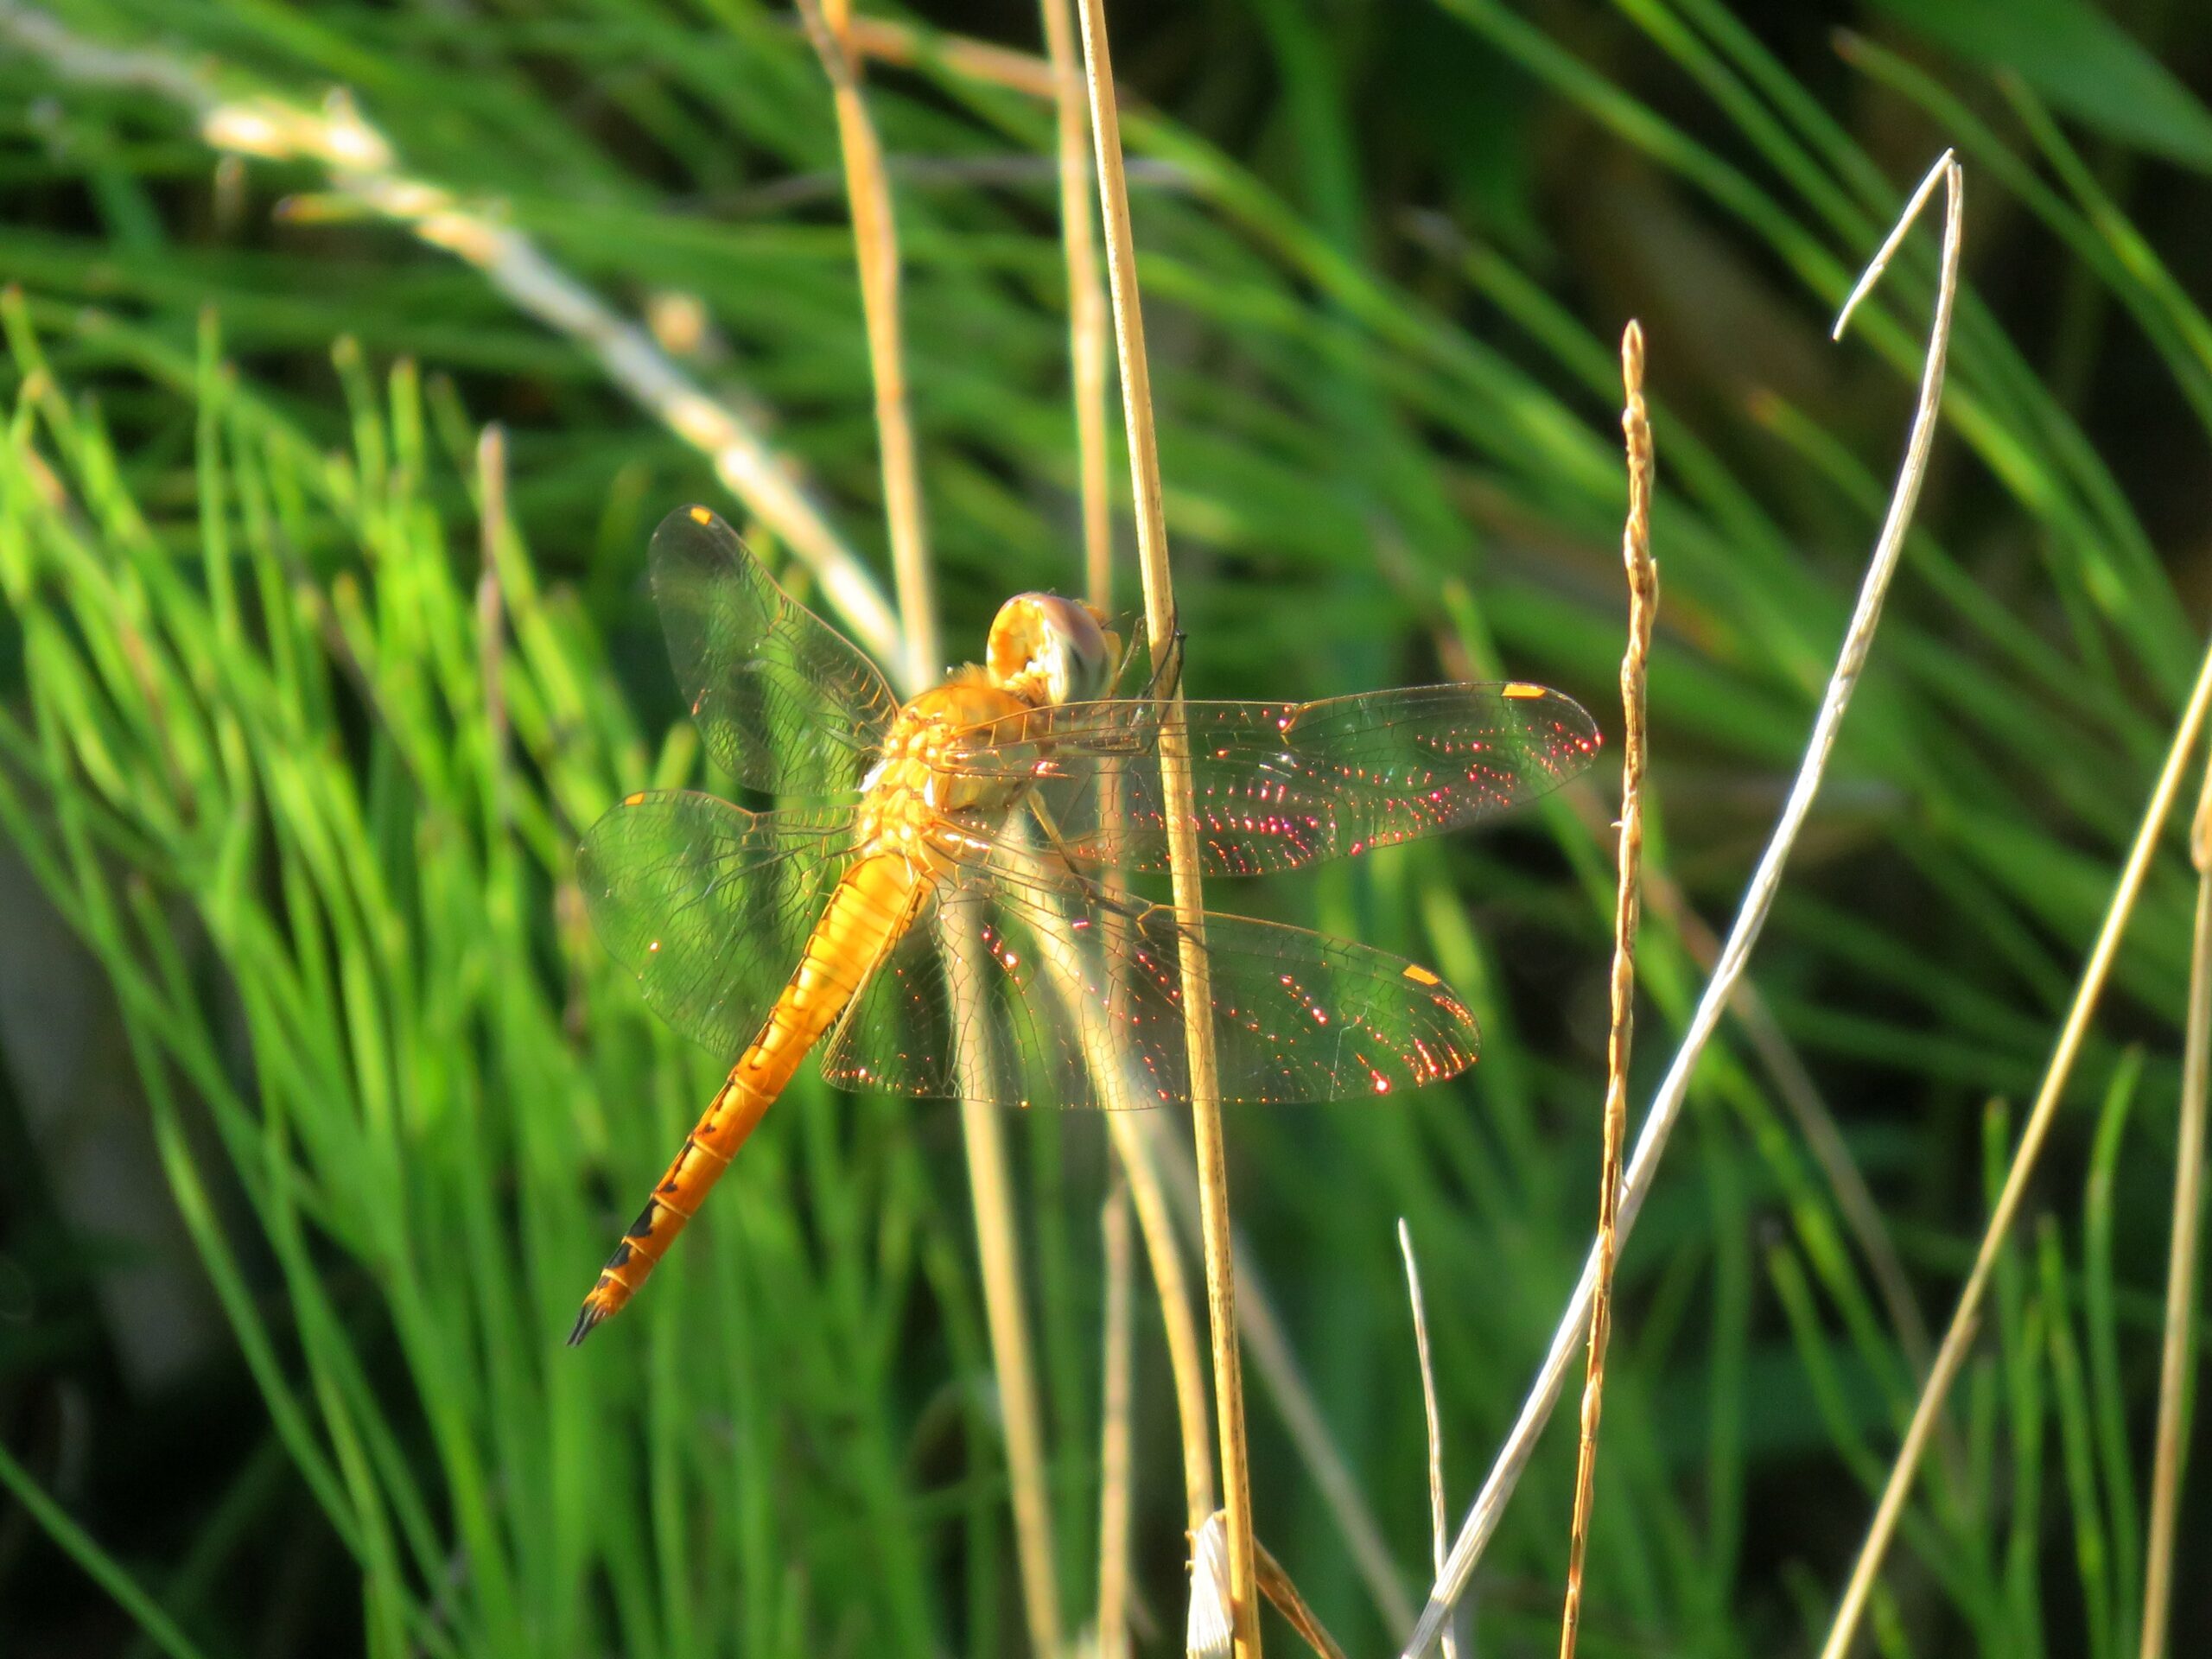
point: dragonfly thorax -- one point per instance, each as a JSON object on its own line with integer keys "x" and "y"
{"x": 914, "y": 793}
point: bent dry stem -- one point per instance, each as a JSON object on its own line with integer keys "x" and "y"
{"x": 1482, "y": 1520}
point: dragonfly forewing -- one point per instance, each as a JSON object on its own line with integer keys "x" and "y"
{"x": 1277, "y": 786}
{"x": 784, "y": 702}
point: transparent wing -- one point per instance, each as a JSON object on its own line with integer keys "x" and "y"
{"x": 784, "y": 702}
{"x": 1026, "y": 984}
{"x": 1279, "y": 785}
{"x": 710, "y": 906}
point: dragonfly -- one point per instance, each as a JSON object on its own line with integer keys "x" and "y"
{"x": 953, "y": 916}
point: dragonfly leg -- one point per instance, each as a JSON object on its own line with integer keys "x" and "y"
{"x": 1094, "y": 891}
{"x": 1167, "y": 678}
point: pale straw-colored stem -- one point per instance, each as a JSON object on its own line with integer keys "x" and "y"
{"x": 1438, "y": 1532}
{"x": 1475, "y": 1531}
{"x": 1267, "y": 1345}
{"x": 875, "y": 250}
{"x": 1182, "y": 828}
{"x": 983, "y": 1139}
{"x": 1642, "y": 604}
{"x": 1087, "y": 317}
{"x": 1111, "y": 1073}
{"x": 2176, "y": 1351}
{"x": 1116, "y": 1481}
{"x": 1951, "y": 1354}
{"x": 362, "y": 167}
{"x": 1087, "y": 353}
{"x": 1178, "y": 1313}
{"x": 891, "y": 42}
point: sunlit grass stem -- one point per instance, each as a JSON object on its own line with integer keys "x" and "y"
{"x": 1440, "y": 1533}
{"x": 2175, "y": 1352}
{"x": 1965, "y": 1319}
{"x": 1182, "y": 830}
{"x": 875, "y": 248}
{"x": 983, "y": 1130}
{"x": 1116, "y": 1451}
{"x": 1089, "y": 324}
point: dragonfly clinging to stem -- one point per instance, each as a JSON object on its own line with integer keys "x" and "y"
{"x": 958, "y": 923}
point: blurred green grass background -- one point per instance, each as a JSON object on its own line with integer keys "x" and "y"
{"x": 320, "y": 1106}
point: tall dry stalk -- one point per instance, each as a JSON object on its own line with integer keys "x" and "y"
{"x": 1182, "y": 833}
{"x": 1087, "y": 318}
{"x": 1642, "y": 605}
{"x": 1950, "y": 1356}
{"x": 1433, "y": 1422}
{"x": 1793, "y": 1084}
{"x": 1277, "y": 1363}
{"x": 1116, "y": 1477}
{"x": 1088, "y": 325}
{"x": 829, "y": 25}
{"x": 1132, "y": 1145}
{"x": 875, "y": 248}
{"x": 2176, "y": 1349}
{"x": 1512, "y": 1460}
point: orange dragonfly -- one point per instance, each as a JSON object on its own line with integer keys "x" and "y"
{"x": 958, "y": 927}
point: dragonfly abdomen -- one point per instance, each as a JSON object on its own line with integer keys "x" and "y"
{"x": 870, "y": 910}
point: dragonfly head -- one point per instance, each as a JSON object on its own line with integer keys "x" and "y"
{"x": 1045, "y": 649}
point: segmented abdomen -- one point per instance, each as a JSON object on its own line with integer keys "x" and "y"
{"x": 871, "y": 908}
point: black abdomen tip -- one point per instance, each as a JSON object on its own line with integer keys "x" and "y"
{"x": 588, "y": 1319}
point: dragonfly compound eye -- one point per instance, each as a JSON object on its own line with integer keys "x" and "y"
{"x": 1047, "y": 649}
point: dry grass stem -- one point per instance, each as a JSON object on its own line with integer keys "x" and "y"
{"x": 1887, "y": 251}
{"x": 828, "y": 24}
{"x": 1117, "y": 1482}
{"x": 875, "y": 248}
{"x": 1277, "y": 1364}
{"x": 1178, "y": 1313}
{"x": 1087, "y": 318}
{"x": 363, "y": 168}
{"x": 1438, "y": 1524}
{"x": 1951, "y": 1354}
{"x": 1088, "y": 337}
{"x": 1659, "y": 1123}
{"x": 983, "y": 1138}
{"x": 1643, "y": 604}
{"x": 1277, "y": 1586}
{"x": 2176, "y": 1349}
{"x": 1138, "y": 1154}
{"x": 890, "y": 41}
{"x": 1182, "y": 846}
